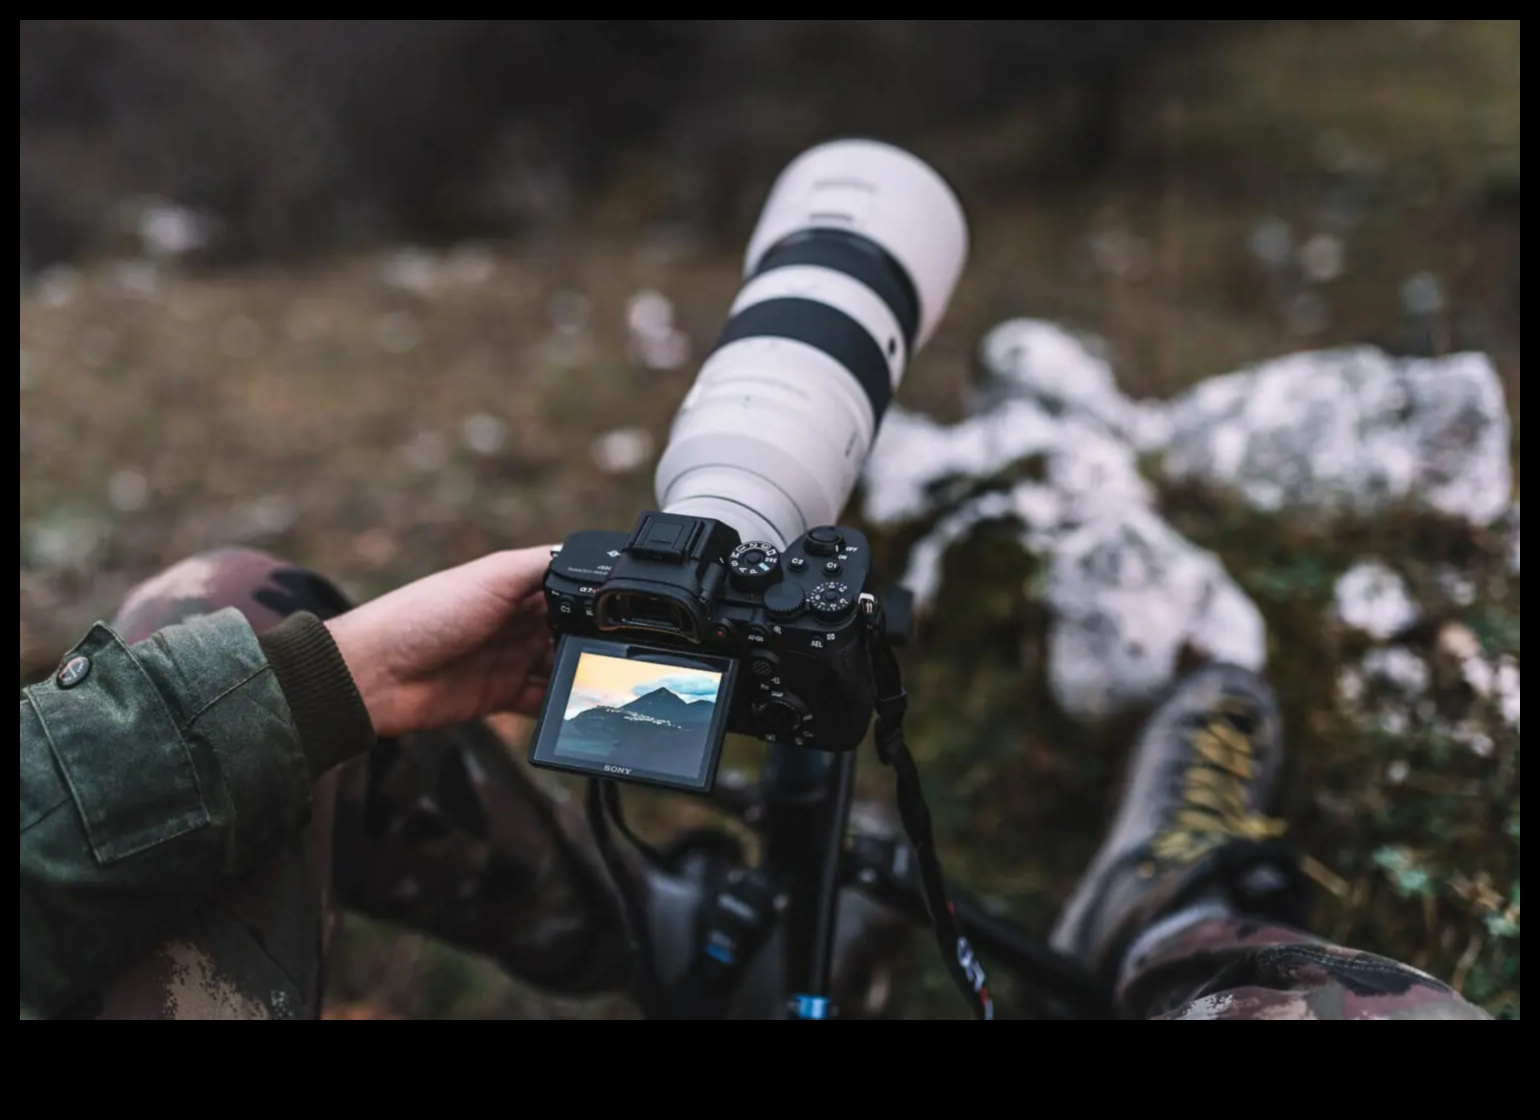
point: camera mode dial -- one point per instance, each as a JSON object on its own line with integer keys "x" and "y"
{"x": 831, "y": 600}
{"x": 754, "y": 565}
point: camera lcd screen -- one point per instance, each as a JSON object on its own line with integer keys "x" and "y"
{"x": 635, "y": 713}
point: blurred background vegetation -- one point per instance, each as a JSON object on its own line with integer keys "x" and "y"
{"x": 374, "y": 294}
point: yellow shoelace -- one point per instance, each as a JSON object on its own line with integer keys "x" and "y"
{"x": 1215, "y": 795}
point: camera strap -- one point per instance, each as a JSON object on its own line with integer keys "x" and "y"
{"x": 957, "y": 953}
{"x": 603, "y": 806}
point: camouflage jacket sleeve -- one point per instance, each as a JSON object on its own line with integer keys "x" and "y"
{"x": 152, "y": 773}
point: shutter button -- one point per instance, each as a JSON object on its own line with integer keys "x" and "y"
{"x": 73, "y": 671}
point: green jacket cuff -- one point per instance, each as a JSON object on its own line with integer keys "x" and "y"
{"x": 328, "y": 712}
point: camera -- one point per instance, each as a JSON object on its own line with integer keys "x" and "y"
{"x": 740, "y": 605}
{"x": 680, "y": 632}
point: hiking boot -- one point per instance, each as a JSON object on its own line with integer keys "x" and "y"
{"x": 1193, "y": 826}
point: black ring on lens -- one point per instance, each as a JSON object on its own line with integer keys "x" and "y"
{"x": 857, "y": 257}
{"x": 824, "y": 328}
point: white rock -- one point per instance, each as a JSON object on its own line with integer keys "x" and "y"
{"x": 1373, "y": 598}
{"x": 1513, "y": 539}
{"x": 1455, "y": 584}
{"x": 128, "y": 490}
{"x": 1051, "y": 448}
{"x": 918, "y": 466}
{"x": 654, "y": 341}
{"x": 1050, "y": 451}
{"x": 411, "y": 270}
{"x": 1322, "y": 258}
{"x": 267, "y": 516}
{"x": 169, "y": 230}
{"x": 57, "y": 285}
{"x": 648, "y": 312}
{"x": 1422, "y": 294}
{"x": 1350, "y": 429}
{"x": 1495, "y": 680}
{"x": 622, "y": 450}
{"x": 1506, "y": 690}
{"x": 1471, "y": 736}
{"x": 64, "y": 540}
{"x": 484, "y": 433}
{"x": 1063, "y": 373}
{"x": 1272, "y": 242}
{"x": 1398, "y": 668}
{"x": 1127, "y": 595}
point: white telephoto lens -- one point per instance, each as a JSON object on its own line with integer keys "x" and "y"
{"x": 847, "y": 274}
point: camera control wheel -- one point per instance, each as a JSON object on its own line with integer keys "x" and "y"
{"x": 830, "y": 601}
{"x": 780, "y": 717}
{"x": 783, "y": 601}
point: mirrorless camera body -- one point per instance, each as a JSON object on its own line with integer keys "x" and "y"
{"x": 680, "y": 599}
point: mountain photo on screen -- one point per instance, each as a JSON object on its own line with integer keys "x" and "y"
{"x": 639, "y": 714}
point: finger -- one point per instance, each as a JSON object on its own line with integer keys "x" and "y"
{"x": 516, "y": 574}
{"x": 531, "y": 608}
{"x": 529, "y": 698}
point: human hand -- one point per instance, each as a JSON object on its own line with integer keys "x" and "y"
{"x": 453, "y": 646}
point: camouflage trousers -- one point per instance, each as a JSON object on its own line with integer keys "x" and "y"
{"x": 444, "y": 833}
{"x": 1240, "y": 968}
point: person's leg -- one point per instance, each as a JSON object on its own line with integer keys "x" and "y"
{"x": 1240, "y": 968}
{"x": 1192, "y": 907}
{"x": 445, "y": 833}
{"x": 441, "y": 832}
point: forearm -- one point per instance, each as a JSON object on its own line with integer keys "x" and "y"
{"x": 167, "y": 769}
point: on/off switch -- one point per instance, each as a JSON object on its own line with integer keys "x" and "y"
{"x": 823, "y": 541}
